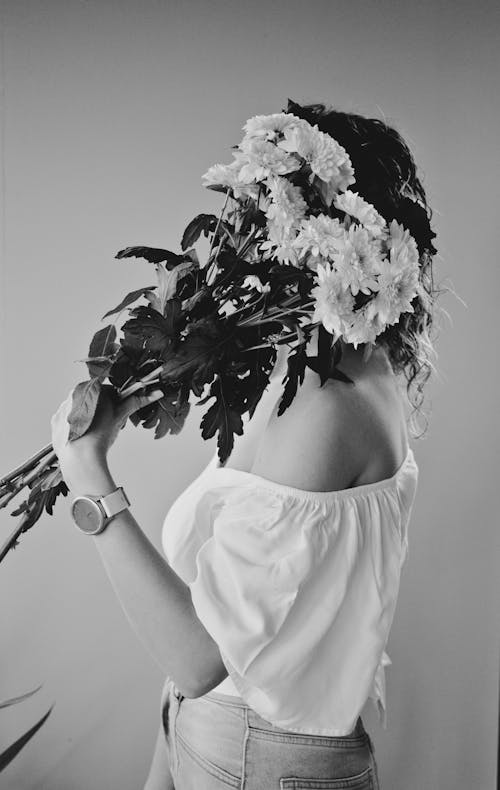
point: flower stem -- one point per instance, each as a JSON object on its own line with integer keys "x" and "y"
{"x": 26, "y": 465}
{"x": 28, "y": 478}
{"x": 12, "y": 539}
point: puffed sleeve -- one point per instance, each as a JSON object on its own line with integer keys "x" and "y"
{"x": 299, "y": 595}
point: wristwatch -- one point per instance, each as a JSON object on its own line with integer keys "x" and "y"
{"x": 92, "y": 514}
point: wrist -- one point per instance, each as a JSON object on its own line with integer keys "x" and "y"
{"x": 93, "y": 478}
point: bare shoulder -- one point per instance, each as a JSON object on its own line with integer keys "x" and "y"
{"x": 334, "y": 437}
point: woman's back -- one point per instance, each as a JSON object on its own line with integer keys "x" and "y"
{"x": 332, "y": 437}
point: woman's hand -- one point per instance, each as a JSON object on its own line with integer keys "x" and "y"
{"x": 92, "y": 448}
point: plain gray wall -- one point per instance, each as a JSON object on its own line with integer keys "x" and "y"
{"x": 113, "y": 110}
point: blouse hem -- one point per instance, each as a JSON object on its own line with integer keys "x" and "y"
{"x": 335, "y": 732}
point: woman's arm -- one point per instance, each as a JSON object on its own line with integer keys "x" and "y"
{"x": 156, "y": 601}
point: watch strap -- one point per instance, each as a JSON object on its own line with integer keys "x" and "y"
{"x": 114, "y": 503}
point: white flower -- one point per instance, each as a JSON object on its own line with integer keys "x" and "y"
{"x": 268, "y": 127}
{"x": 357, "y": 262}
{"x": 363, "y": 328}
{"x": 227, "y": 308}
{"x": 324, "y": 155}
{"x": 263, "y": 159}
{"x": 403, "y": 247}
{"x": 354, "y": 205}
{"x": 252, "y": 281}
{"x": 320, "y": 235}
{"x": 398, "y": 285}
{"x": 279, "y": 243}
{"x": 287, "y": 206}
{"x": 333, "y": 304}
{"x": 229, "y": 176}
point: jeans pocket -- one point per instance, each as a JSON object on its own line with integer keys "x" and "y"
{"x": 192, "y": 758}
{"x": 362, "y": 781}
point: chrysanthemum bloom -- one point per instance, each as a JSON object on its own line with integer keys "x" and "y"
{"x": 324, "y": 155}
{"x": 287, "y": 205}
{"x": 333, "y": 303}
{"x": 397, "y": 282}
{"x": 268, "y": 127}
{"x": 363, "y": 328}
{"x": 229, "y": 176}
{"x": 279, "y": 243}
{"x": 357, "y": 262}
{"x": 403, "y": 247}
{"x": 321, "y": 235}
{"x": 264, "y": 159}
{"x": 354, "y": 205}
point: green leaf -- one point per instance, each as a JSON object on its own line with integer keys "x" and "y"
{"x": 14, "y": 700}
{"x": 325, "y": 346}
{"x": 202, "y": 223}
{"x": 325, "y": 365}
{"x": 217, "y": 187}
{"x": 130, "y": 298}
{"x": 98, "y": 367}
{"x": 326, "y": 191}
{"x": 13, "y": 750}
{"x": 150, "y": 331}
{"x": 222, "y": 418}
{"x": 168, "y": 414}
{"x": 192, "y": 255}
{"x": 198, "y": 355}
{"x": 152, "y": 255}
{"x": 85, "y": 399}
{"x": 101, "y": 352}
{"x": 167, "y": 285}
{"x": 295, "y": 373}
{"x": 52, "y": 479}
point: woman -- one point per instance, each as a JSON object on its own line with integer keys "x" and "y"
{"x": 271, "y": 615}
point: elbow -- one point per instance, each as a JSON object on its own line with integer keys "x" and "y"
{"x": 194, "y": 688}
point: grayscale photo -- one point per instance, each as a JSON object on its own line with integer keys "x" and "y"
{"x": 249, "y": 529}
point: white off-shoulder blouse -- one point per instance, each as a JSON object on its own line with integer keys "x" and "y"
{"x": 297, "y": 588}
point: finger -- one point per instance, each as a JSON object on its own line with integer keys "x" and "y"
{"x": 135, "y": 402}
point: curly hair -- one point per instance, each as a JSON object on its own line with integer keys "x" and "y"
{"x": 386, "y": 176}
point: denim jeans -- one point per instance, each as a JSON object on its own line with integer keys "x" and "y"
{"x": 216, "y": 741}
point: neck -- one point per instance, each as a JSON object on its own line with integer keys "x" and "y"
{"x": 354, "y": 360}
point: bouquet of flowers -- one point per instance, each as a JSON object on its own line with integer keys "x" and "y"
{"x": 293, "y": 248}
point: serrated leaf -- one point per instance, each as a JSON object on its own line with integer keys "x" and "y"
{"x": 221, "y": 418}
{"x": 192, "y": 255}
{"x": 52, "y": 479}
{"x": 202, "y": 223}
{"x": 295, "y": 374}
{"x": 103, "y": 342}
{"x": 327, "y": 191}
{"x": 167, "y": 285}
{"x": 328, "y": 367}
{"x": 84, "y": 405}
{"x": 325, "y": 346}
{"x": 152, "y": 255}
{"x": 149, "y": 331}
{"x": 217, "y": 187}
{"x": 8, "y": 754}
{"x": 198, "y": 355}
{"x": 201, "y": 294}
{"x": 130, "y": 298}
{"x": 98, "y": 367}
{"x": 15, "y": 700}
{"x": 101, "y": 351}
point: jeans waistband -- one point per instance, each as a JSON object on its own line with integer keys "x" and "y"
{"x": 238, "y": 702}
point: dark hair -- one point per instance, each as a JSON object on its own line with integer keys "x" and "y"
{"x": 385, "y": 174}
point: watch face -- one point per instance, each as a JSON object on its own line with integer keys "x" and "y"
{"x": 87, "y": 515}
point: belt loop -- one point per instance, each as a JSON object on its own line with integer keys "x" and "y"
{"x": 173, "y": 734}
{"x": 244, "y": 752}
